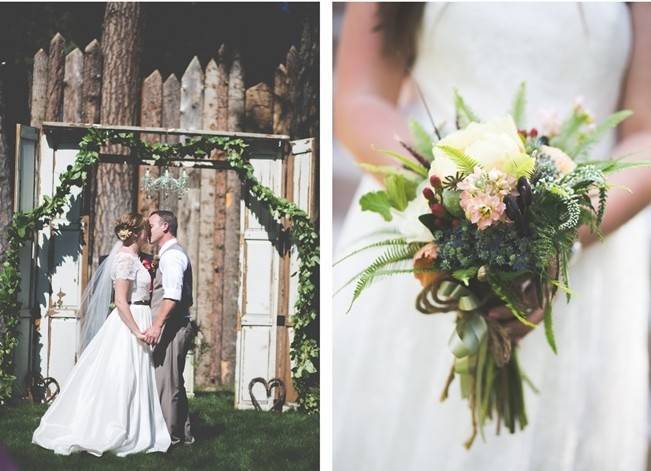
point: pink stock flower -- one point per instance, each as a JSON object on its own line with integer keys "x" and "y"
{"x": 483, "y": 194}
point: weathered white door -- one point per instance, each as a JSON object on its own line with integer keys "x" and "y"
{"x": 256, "y": 335}
{"x": 59, "y": 255}
{"x": 260, "y": 283}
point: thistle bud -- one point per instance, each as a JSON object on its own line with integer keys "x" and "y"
{"x": 428, "y": 193}
{"x": 533, "y": 132}
{"x": 435, "y": 182}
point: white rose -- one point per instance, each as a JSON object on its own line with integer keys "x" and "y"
{"x": 494, "y": 144}
{"x": 564, "y": 163}
{"x": 407, "y": 223}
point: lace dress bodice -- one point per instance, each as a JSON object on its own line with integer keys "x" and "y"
{"x": 128, "y": 267}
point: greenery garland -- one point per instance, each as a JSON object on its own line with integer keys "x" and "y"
{"x": 304, "y": 351}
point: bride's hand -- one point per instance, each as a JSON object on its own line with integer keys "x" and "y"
{"x": 516, "y": 329}
{"x": 140, "y": 336}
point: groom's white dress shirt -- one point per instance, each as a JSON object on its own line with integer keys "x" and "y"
{"x": 172, "y": 265}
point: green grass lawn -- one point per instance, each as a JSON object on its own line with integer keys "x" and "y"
{"x": 227, "y": 439}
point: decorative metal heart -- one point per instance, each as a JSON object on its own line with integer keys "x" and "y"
{"x": 274, "y": 383}
{"x": 44, "y": 390}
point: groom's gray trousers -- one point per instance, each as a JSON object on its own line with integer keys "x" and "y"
{"x": 169, "y": 362}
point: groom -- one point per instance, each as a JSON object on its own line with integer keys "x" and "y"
{"x": 171, "y": 330}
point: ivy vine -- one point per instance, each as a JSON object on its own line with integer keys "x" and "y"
{"x": 304, "y": 350}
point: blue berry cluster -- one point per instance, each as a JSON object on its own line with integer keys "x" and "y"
{"x": 500, "y": 247}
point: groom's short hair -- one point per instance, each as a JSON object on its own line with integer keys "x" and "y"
{"x": 169, "y": 218}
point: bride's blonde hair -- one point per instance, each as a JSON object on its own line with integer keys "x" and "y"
{"x": 129, "y": 226}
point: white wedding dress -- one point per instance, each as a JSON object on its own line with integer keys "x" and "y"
{"x": 109, "y": 402}
{"x": 390, "y": 362}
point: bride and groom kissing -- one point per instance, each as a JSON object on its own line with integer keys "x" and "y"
{"x": 126, "y": 392}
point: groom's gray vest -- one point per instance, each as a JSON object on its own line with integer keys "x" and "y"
{"x": 182, "y": 309}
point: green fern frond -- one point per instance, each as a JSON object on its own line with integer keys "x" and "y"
{"x": 603, "y": 197}
{"x": 570, "y": 128}
{"x": 381, "y": 243}
{"x": 465, "y": 163}
{"x": 465, "y": 115}
{"x": 518, "y": 107}
{"x": 391, "y": 257}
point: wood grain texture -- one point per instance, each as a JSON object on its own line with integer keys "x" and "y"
{"x": 282, "y": 119}
{"x": 219, "y": 231}
{"x": 170, "y": 118}
{"x": 189, "y": 206}
{"x": 232, "y": 246}
{"x": 92, "y": 83}
{"x": 151, "y": 110}
{"x": 259, "y": 109}
{"x": 207, "y": 352}
{"x": 39, "y": 88}
{"x": 56, "y": 66}
{"x": 72, "y": 86}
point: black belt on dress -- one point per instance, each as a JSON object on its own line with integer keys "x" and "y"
{"x": 140, "y": 303}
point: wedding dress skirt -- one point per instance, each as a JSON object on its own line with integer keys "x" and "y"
{"x": 109, "y": 402}
{"x": 391, "y": 362}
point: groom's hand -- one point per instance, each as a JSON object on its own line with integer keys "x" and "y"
{"x": 152, "y": 334}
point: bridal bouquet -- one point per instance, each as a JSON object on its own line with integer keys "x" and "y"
{"x": 488, "y": 215}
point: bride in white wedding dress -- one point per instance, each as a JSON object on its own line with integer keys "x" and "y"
{"x": 109, "y": 402}
{"x": 390, "y": 362}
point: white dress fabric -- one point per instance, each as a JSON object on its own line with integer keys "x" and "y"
{"x": 390, "y": 362}
{"x": 109, "y": 402}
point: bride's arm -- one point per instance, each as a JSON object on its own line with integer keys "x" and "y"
{"x": 121, "y": 293}
{"x": 635, "y": 132}
{"x": 367, "y": 86}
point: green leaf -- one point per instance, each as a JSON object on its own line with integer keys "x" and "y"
{"x": 464, "y": 163}
{"x": 611, "y": 166}
{"x": 519, "y": 102}
{"x": 383, "y": 169}
{"x": 400, "y": 191}
{"x": 549, "y": 327}
{"x": 465, "y": 115}
{"x": 378, "y": 202}
{"x": 423, "y": 141}
{"x": 415, "y": 167}
{"x": 464, "y": 275}
{"x": 612, "y": 121}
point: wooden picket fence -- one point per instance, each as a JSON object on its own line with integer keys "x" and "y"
{"x": 67, "y": 88}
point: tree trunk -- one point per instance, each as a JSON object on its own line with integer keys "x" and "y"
{"x": 6, "y": 184}
{"x": 121, "y": 50}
